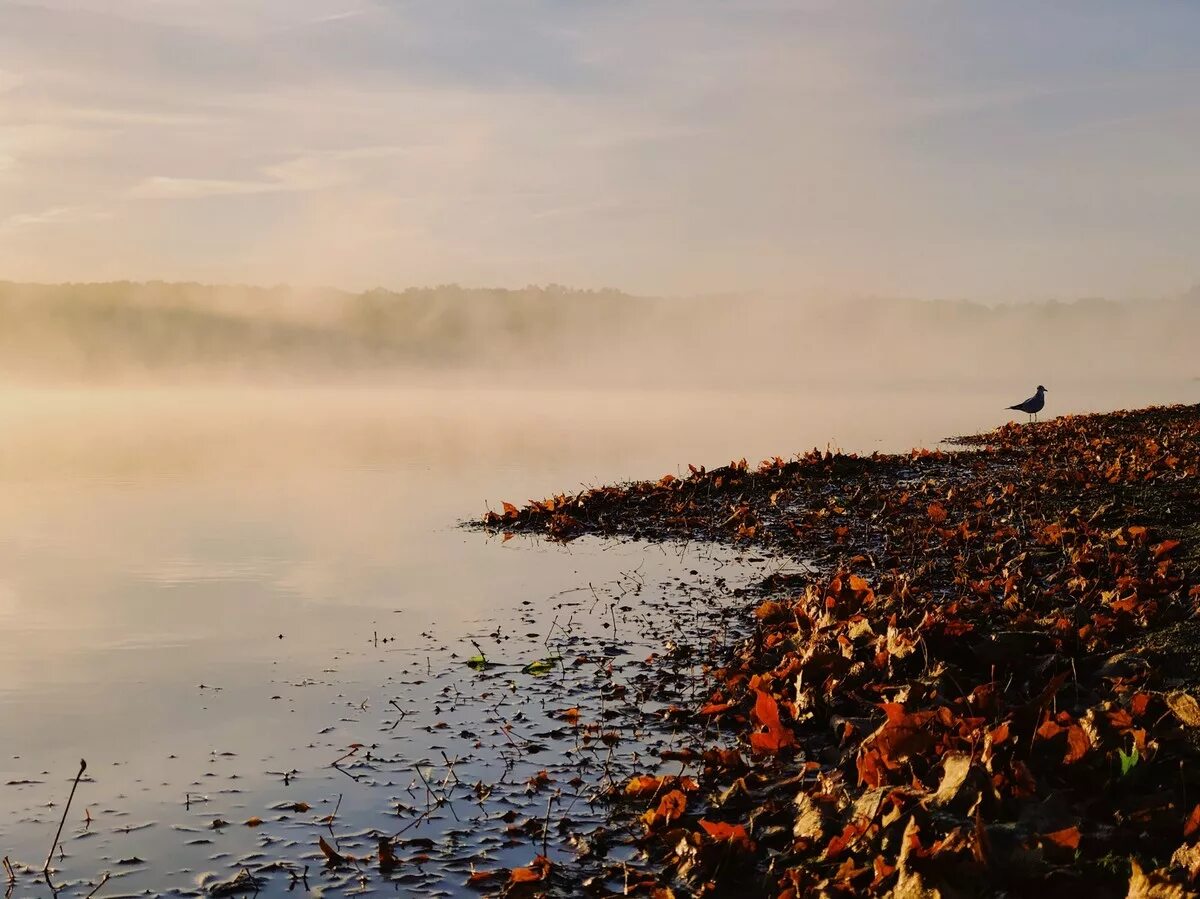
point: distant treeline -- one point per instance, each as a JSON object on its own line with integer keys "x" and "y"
{"x": 124, "y": 329}
{"x": 115, "y": 327}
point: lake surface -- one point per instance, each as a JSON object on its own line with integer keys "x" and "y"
{"x": 212, "y": 594}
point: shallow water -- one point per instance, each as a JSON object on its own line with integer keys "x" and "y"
{"x": 212, "y": 594}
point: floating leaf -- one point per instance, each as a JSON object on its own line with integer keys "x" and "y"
{"x": 542, "y": 666}
{"x": 332, "y": 857}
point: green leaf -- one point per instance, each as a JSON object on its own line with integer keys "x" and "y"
{"x": 542, "y": 666}
{"x": 1128, "y": 760}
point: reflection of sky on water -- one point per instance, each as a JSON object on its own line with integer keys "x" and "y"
{"x": 154, "y": 547}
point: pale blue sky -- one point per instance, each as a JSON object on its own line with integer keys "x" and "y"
{"x": 992, "y": 150}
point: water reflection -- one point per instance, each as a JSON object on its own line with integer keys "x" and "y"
{"x": 193, "y": 582}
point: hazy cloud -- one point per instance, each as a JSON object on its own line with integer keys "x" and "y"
{"x": 997, "y": 151}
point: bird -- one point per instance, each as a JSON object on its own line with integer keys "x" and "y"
{"x": 1034, "y": 404}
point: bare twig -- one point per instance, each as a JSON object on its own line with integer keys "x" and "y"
{"x": 96, "y": 888}
{"x": 67, "y": 808}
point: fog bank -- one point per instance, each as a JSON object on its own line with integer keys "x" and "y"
{"x": 163, "y": 333}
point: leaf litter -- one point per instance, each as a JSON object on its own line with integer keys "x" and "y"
{"x": 986, "y": 682}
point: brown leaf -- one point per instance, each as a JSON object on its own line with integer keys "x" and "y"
{"x": 387, "y": 857}
{"x": 1185, "y": 707}
{"x": 332, "y": 857}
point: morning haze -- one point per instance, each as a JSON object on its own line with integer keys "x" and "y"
{"x": 674, "y": 148}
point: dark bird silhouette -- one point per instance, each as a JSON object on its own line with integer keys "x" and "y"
{"x": 1034, "y": 404}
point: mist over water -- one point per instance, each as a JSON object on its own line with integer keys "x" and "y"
{"x": 186, "y": 543}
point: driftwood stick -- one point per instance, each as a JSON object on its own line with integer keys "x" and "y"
{"x": 67, "y": 808}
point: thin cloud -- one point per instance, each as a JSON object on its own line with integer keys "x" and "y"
{"x": 55, "y": 215}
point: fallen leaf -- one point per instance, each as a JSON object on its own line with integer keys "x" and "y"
{"x": 1067, "y": 838}
{"x": 955, "y": 768}
{"x": 387, "y": 856}
{"x": 1185, "y": 707}
{"x": 332, "y": 857}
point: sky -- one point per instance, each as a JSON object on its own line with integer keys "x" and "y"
{"x": 995, "y": 151}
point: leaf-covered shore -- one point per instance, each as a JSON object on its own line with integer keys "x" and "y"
{"x": 988, "y": 682}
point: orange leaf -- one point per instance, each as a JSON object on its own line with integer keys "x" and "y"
{"x": 937, "y": 513}
{"x": 671, "y": 807}
{"x": 903, "y": 734}
{"x": 642, "y": 785}
{"x": 1165, "y": 548}
{"x": 735, "y": 834}
{"x": 1193, "y": 823}
{"x": 776, "y": 737}
{"x": 1077, "y": 744}
{"x": 1067, "y": 838}
{"x": 538, "y": 870}
{"x": 770, "y": 610}
{"x": 861, "y": 589}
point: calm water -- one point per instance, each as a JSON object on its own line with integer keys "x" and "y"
{"x": 203, "y": 591}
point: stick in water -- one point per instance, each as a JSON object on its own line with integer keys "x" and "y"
{"x": 54, "y": 845}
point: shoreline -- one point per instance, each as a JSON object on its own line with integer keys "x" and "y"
{"x": 989, "y": 676}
